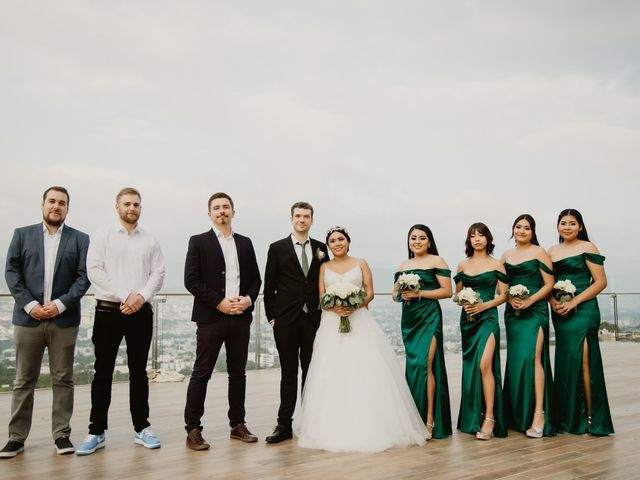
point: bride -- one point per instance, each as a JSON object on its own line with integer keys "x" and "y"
{"x": 355, "y": 397}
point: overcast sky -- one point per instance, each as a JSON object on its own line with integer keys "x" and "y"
{"x": 381, "y": 114}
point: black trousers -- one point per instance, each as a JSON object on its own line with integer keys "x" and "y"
{"x": 109, "y": 328}
{"x": 293, "y": 341}
{"x": 234, "y": 332}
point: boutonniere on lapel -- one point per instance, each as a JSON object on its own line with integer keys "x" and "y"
{"x": 319, "y": 254}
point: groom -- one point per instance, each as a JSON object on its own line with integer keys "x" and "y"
{"x": 291, "y": 305}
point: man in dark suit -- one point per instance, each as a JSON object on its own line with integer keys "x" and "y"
{"x": 291, "y": 304}
{"x": 222, "y": 274}
{"x": 47, "y": 275}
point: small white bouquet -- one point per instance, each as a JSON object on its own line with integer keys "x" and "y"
{"x": 518, "y": 291}
{"x": 467, "y": 296}
{"x": 343, "y": 295}
{"x": 564, "y": 290}
{"x": 408, "y": 282}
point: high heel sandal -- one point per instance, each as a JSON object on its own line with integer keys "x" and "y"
{"x": 535, "y": 432}
{"x": 486, "y": 435}
{"x": 589, "y": 424}
{"x": 429, "y": 434}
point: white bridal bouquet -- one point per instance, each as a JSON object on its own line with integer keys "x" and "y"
{"x": 467, "y": 296}
{"x": 343, "y": 295}
{"x": 408, "y": 282}
{"x": 564, "y": 290}
{"x": 518, "y": 291}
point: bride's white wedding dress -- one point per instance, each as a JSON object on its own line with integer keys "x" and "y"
{"x": 355, "y": 397}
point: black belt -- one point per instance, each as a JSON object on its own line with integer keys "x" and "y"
{"x": 108, "y": 304}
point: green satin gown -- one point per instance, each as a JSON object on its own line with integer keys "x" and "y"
{"x": 571, "y": 332}
{"x": 474, "y": 339}
{"x": 522, "y": 335}
{"x": 421, "y": 322}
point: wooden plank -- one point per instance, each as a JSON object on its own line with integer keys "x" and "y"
{"x": 461, "y": 456}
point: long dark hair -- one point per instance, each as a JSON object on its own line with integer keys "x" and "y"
{"x": 582, "y": 234}
{"x": 532, "y": 224}
{"x": 482, "y": 229}
{"x": 432, "y": 249}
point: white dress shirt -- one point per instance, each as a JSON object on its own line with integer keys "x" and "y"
{"x": 120, "y": 264}
{"x": 232, "y": 267}
{"x": 51, "y": 244}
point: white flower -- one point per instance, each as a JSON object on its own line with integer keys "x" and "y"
{"x": 342, "y": 290}
{"x": 467, "y": 295}
{"x": 319, "y": 254}
{"x": 518, "y": 291}
{"x": 565, "y": 286}
{"x": 408, "y": 281}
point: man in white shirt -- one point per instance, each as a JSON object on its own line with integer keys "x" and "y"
{"x": 47, "y": 276}
{"x": 126, "y": 267}
{"x": 222, "y": 274}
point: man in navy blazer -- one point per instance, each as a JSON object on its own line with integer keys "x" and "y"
{"x": 222, "y": 273}
{"x": 47, "y": 276}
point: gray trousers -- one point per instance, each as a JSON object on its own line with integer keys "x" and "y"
{"x": 30, "y": 345}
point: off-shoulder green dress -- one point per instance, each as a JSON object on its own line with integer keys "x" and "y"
{"x": 474, "y": 339}
{"x": 572, "y": 331}
{"x": 522, "y": 335}
{"x": 421, "y": 322}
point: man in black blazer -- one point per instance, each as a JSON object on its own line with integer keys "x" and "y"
{"x": 222, "y": 274}
{"x": 47, "y": 275}
{"x": 291, "y": 304}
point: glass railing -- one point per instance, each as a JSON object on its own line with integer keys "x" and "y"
{"x": 174, "y": 344}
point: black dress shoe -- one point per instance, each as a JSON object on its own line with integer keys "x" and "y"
{"x": 280, "y": 434}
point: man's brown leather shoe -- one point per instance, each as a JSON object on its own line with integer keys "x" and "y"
{"x": 241, "y": 432}
{"x": 195, "y": 440}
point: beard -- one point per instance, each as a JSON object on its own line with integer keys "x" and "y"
{"x": 54, "y": 222}
{"x": 130, "y": 218}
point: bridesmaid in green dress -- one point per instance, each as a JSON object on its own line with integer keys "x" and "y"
{"x": 578, "y": 365}
{"x": 481, "y": 375}
{"x": 421, "y": 327}
{"x": 528, "y": 383}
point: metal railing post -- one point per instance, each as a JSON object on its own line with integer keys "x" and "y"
{"x": 615, "y": 316}
{"x": 256, "y": 333}
{"x": 154, "y": 340}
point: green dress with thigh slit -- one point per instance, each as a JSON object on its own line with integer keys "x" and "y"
{"x": 421, "y": 322}
{"x": 572, "y": 331}
{"x": 522, "y": 335}
{"x": 475, "y": 334}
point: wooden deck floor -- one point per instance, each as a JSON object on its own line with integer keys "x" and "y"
{"x": 461, "y": 456}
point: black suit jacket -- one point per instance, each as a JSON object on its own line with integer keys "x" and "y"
{"x": 24, "y": 273}
{"x": 204, "y": 276}
{"x": 286, "y": 289}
